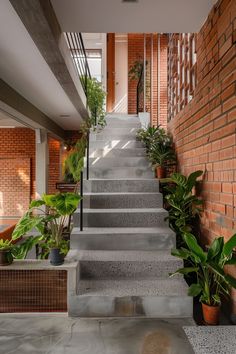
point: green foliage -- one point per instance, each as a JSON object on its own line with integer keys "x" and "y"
{"x": 96, "y": 98}
{"x": 21, "y": 250}
{"x": 135, "y": 70}
{"x": 159, "y": 145}
{"x": 5, "y": 245}
{"x": 52, "y": 219}
{"x": 212, "y": 281}
{"x": 74, "y": 162}
{"x": 183, "y": 206}
{"x": 162, "y": 153}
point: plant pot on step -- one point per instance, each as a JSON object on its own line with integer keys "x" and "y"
{"x": 55, "y": 256}
{"x": 211, "y": 314}
{"x": 5, "y": 258}
{"x": 160, "y": 172}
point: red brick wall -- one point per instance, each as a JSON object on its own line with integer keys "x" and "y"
{"x": 54, "y": 167}
{"x": 135, "y": 52}
{"x": 17, "y": 170}
{"x": 204, "y": 131}
{"x": 163, "y": 80}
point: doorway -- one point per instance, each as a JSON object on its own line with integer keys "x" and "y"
{"x": 121, "y": 73}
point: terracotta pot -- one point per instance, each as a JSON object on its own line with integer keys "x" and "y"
{"x": 5, "y": 258}
{"x": 211, "y": 314}
{"x": 160, "y": 172}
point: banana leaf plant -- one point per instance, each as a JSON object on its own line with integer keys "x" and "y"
{"x": 183, "y": 205}
{"x": 48, "y": 216}
{"x": 212, "y": 282}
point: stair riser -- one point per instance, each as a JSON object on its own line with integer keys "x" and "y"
{"x": 113, "y": 173}
{"x": 127, "y": 270}
{"x": 123, "y": 162}
{"x": 117, "y": 186}
{"x": 139, "y": 219}
{"x": 123, "y": 201}
{"x": 116, "y": 143}
{"x": 94, "y": 153}
{"x": 131, "y": 306}
{"x": 125, "y": 242}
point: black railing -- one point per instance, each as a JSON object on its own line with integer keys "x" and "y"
{"x": 140, "y": 92}
{"x": 78, "y": 53}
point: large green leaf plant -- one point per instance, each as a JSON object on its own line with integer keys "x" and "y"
{"x": 183, "y": 205}
{"x": 212, "y": 283}
{"x": 48, "y": 216}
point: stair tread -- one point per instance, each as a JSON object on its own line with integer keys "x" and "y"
{"x": 123, "y": 256}
{"x": 125, "y": 210}
{"x": 122, "y": 193}
{"x": 122, "y": 230}
{"x": 118, "y": 288}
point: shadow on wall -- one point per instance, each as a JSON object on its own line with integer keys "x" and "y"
{"x": 15, "y": 186}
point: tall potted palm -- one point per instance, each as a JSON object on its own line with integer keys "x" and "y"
{"x": 212, "y": 282}
{"x": 52, "y": 214}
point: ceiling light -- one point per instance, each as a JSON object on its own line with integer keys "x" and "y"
{"x": 64, "y": 115}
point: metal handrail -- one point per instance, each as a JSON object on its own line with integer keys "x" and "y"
{"x": 76, "y": 45}
{"x": 140, "y": 90}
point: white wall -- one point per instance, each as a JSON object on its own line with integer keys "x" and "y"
{"x": 98, "y": 41}
{"x": 121, "y": 73}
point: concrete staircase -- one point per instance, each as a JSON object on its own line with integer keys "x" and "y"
{"x": 124, "y": 250}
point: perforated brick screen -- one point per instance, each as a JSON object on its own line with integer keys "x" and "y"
{"x": 33, "y": 290}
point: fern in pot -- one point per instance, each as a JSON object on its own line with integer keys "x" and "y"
{"x": 49, "y": 216}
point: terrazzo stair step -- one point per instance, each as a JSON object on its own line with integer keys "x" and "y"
{"x": 121, "y": 185}
{"x": 110, "y": 130}
{"x": 109, "y": 162}
{"x": 94, "y": 264}
{"x": 151, "y": 217}
{"x": 114, "y": 132}
{"x": 139, "y": 152}
{"x": 116, "y": 143}
{"x": 106, "y": 136}
{"x": 162, "y": 298}
{"x": 119, "y": 172}
{"x": 122, "y": 238}
{"x": 122, "y": 200}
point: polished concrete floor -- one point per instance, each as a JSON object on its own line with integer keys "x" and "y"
{"x": 58, "y": 334}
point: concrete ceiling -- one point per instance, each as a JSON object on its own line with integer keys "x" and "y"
{"x": 164, "y": 16}
{"x": 24, "y": 69}
{"x": 7, "y": 122}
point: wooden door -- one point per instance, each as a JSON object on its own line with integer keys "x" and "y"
{"x": 110, "y": 71}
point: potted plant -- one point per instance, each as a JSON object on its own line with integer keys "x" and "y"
{"x": 6, "y": 257}
{"x": 52, "y": 214}
{"x": 212, "y": 282}
{"x": 10, "y": 251}
{"x": 161, "y": 153}
{"x": 183, "y": 205}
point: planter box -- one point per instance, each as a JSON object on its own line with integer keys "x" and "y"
{"x": 65, "y": 187}
{"x": 36, "y": 286}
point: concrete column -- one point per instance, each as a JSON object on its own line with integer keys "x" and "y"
{"x": 41, "y": 152}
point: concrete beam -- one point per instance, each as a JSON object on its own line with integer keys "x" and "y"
{"x": 40, "y": 21}
{"x": 17, "y": 106}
